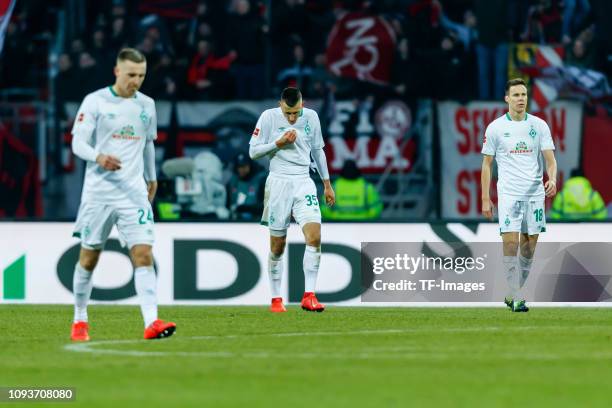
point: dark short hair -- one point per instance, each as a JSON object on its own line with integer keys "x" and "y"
{"x": 514, "y": 82}
{"x": 131, "y": 54}
{"x": 291, "y": 96}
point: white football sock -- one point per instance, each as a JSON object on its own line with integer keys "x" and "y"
{"x": 525, "y": 264}
{"x": 275, "y": 273}
{"x": 82, "y": 284}
{"x": 146, "y": 289}
{"x": 512, "y": 275}
{"x": 312, "y": 258}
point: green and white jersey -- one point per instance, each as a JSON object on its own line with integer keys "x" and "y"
{"x": 516, "y": 146}
{"x": 119, "y": 127}
{"x": 293, "y": 159}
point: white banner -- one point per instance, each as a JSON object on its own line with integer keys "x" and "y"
{"x": 220, "y": 263}
{"x": 461, "y": 131}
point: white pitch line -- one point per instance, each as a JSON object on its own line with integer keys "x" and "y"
{"x": 408, "y": 352}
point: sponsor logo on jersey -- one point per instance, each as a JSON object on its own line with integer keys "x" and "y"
{"x": 126, "y": 133}
{"x": 506, "y": 134}
{"x": 521, "y": 148}
{"x": 81, "y": 117}
{"x": 256, "y": 132}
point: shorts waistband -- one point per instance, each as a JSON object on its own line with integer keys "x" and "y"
{"x": 290, "y": 176}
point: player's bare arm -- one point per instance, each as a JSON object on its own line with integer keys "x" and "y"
{"x": 328, "y": 192}
{"x": 550, "y": 187}
{"x": 108, "y": 162}
{"x": 485, "y": 181}
{"x": 151, "y": 189}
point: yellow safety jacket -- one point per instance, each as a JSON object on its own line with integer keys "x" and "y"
{"x": 578, "y": 201}
{"x": 355, "y": 200}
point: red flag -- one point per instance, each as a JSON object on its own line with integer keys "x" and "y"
{"x": 361, "y": 46}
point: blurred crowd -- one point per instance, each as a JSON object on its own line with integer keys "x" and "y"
{"x": 249, "y": 49}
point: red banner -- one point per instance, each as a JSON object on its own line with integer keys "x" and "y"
{"x": 361, "y": 46}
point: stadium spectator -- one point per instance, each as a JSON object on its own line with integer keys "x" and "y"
{"x": 208, "y": 74}
{"x": 77, "y": 46}
{"x": 322, "y": 82}
{"x": 245, "y": 32}
{"x": 119, "y": 36}
{"x": 578, "y": 201}
{"x": 574, "y": 14}
{"x": 90, "y": 75}
{"x": 579, "y": 54}
{"x": 161, "y": 82}
{"x": 245, "y": 190}
{"x": 100, "y": 51}
{"x": 543, "y": 23}
{"x": 64, "y": 84}
{"x": 15, "y": 61}
{"x": 493, "y": 25}
{"x": 356, "y": 198}
{"x": 466, "y": 32}
{"x": 298, "y": 74}
{"x": 288, "y": 26}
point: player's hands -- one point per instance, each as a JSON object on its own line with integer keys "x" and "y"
{"x": 287, "y": 138}
{"x": 328, "y": 192}
{"x": 151, "y": 190}
{"x": 487, "y": 208}
{"x": 550, "y": 188}
{"x": 108, "y": 162}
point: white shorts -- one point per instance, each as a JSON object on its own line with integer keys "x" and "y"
{"x": 287, "y": 196}
{"x": 521, "y": 216}
{"x": 95, "y": 222}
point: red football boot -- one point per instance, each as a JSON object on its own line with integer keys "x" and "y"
{"x": 277, "y": 305}
{"x": 159, "y": 329}
{"x": 311, "y": 304}
{"x": 79, "y": 331}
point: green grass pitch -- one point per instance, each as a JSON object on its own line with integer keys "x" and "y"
{"x": 344, "y": 357}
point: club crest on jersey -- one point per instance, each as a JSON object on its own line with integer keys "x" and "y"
{"x": 307, "y": 129}
{"x": 507, "y": 221}
{"x": 144, "y": 117}
{"x": 532, "y": 132}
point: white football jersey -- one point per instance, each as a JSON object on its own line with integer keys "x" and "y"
{"x": 119, "y": 127}
{"x": 293, "y": 159}
{"x": 516, "y": 146}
